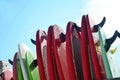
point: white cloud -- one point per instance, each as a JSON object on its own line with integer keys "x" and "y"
{"x": 97, "y": 9}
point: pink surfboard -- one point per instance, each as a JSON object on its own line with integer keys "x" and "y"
{"x": 60, "y": 53}
{"x": 93, "y": 53}
{"x": 7, "y": 75}
{"x": 41, "y": 47}
{"x": 51, "y": 62}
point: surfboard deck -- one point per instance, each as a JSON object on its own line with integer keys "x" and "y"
{"x": 32, "y": 70}
{"x": 52, "y": 68}
{"x": 98, "y": 49}
{"x": 105, "y": 59}
{"x": 41, "y": 49}
{"x": 111, "y": 59}
{"x": 15, "y": 76}
{"x": 60, "y": 53}
{"x": 84, "y": 50}
{"x": 22, "y": 51}
{"x": 19, "y": 70}
{"x": 93, "y": 52}
{"x": 73, "y": 51}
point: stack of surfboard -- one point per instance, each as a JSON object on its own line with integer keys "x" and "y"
{"x": 74, "y": 55}
{"x": 24, "y": 64}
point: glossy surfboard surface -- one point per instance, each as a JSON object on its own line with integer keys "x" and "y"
{"x": 22, "y": 51}
{"x": 41, "y": 49}
{"x": 98, "y": 49}
{"x": 6, "y": 73}
{"x": 51, "y": 62}
{"x": 15, "y": 76}
{"x": 115, "y": 69}
{"x": 19, "y": 69}
{"x": 96, "y": 66}
{"x": 60, "y": 53}
{"x": 32, "y": 70}
{"x": 73, "y": 51}
{"x": 105, "y": 59}
{"x": 111, "y": 59}
{"x": 84, "y": 50}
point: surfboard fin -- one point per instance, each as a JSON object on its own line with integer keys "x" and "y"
{"x": 111, "y": 40}
{"x": 33, "y": 65}
{"x": 10, "y": 61}
{"x": 62, "y": 37}
{"x": 33, "y": 41}
{"x": 95, "y": 27}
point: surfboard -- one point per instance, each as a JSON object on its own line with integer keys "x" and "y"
{"x": 97, "y": 46}
{"x": 22, "y": 51}
{"x": 73, "y": 52}
{"x": 31, "y": 69}
{"x": 93, "y": 52}
{"x": 112, "y": 63}
{"x": 60, "y": 52}
{"x": 41, "y": 49}
{"x": 84, "y": 50}
{"x": 15, "y": 76}
{"x": 105, "y": 59}
{"x": 6, "y": 73}
{"x": 19, "y": 70}
{"x": 52, "y": 67}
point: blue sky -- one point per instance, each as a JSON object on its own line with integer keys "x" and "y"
{"x": 20, "y": 19}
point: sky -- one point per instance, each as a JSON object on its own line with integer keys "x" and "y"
{"x": 20, "y": 19}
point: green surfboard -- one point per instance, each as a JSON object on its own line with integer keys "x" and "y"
{"x": 104, "y": 56}
{"x": 22, "y": 51}
{"x": 32, "y": 70}
{"x": 115, "y": 69}
{"x": 19, "y": 70}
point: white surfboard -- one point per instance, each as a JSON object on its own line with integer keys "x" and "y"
{"x": 22, "y": 51}
{"x": 112, "y": 60}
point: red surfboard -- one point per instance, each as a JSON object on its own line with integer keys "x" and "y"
{"x": 95, "y": 62}
{"x": 41, "y": 45}
{"x": 15, "y": 75}
{"x": 84, "y": 50}
{"x": 52, "y": 67}
{"x": 60, "y": 53}
{"x": 73, "y": 51}
{"x": 7, "y": 75}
